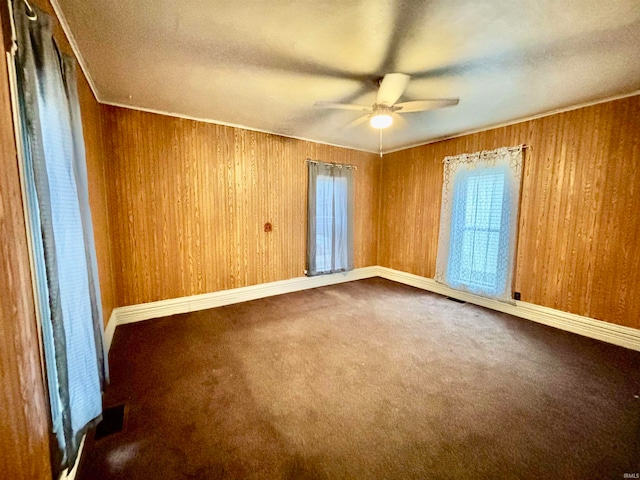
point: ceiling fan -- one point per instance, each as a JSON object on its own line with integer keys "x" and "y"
{"x": 381, "y": 113}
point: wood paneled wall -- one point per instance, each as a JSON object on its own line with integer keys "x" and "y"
{"x": 189, "y": 201}
{"x": 24, "y": 441}
{"x": 579, "y": 236}
{"x": 97, "y": 160}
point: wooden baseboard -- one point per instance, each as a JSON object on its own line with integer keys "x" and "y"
{"x": 589, "y": 327}
{"x": 71, "y": 474}
{"x": 110, "y": 329}
{"x": 570, "y": 322}
{"x": 163, "y": 308}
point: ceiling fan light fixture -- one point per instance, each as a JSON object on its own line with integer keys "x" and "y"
{"x": 381, "y": 120}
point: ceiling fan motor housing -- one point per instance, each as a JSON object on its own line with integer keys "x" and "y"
{"x": 382, "y": 109}
{"x": 380, "y": 116}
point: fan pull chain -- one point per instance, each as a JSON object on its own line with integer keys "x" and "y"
{"x": 380, "y": 143}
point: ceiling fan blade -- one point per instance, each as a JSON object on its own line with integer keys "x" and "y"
{"x": 399, "y": 122}
{"x": 391, "y": 88}
{"x": 358, "y": 121}
{"x": 341, "y": 106}
{"x": 421, "y": 105}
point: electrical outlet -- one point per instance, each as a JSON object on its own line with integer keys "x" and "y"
{"x": 516, "y": 295}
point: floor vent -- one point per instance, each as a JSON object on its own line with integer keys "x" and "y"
{"x": 112, "y": 422}
{"x": 456, "y": 300}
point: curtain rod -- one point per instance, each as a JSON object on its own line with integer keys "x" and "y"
{"x": 524, "y": 146}
{"x": 485, "y": 153}
{"x": 339, "y": 165}
{"x": 333, "y": 164}
{"x": 510, "y": 149}
{"x": 517, "y": 147}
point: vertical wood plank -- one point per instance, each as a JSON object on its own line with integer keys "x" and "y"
{"x": 190, "y": 199}
{"x": 24, "y": 442}
{"x": 579, "y": 237}
{"x": 98, "y": 187}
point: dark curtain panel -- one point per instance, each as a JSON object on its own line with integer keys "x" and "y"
{"x": 329, "y": 218}
{"x": 62, "y": 238}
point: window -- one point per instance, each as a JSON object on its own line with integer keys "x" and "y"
{"x": 476, "y": 247}
{"x": 331, "y": 224}
{"x": 329, "y": 238}
{"x": 477, "y": 231}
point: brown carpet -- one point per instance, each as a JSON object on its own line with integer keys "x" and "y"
{"x": 366, "y": 380}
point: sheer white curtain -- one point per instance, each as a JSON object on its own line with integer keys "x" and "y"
{"x": 479, "y": 220}
{"x": 329, "y": 219}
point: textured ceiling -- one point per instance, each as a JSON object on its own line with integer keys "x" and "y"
{"x": 262, "y": 64}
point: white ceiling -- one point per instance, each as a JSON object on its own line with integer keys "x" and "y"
{"x": 262, "y": 64}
